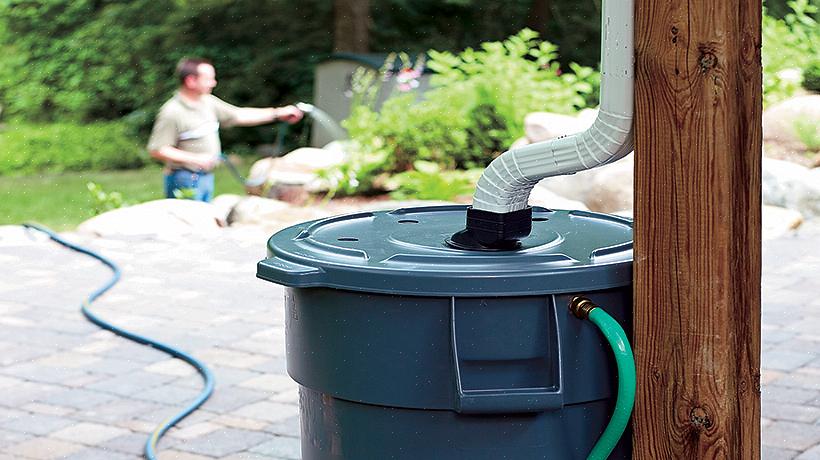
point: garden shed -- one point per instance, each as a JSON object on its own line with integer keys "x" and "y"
{"x": 333, "y": 86}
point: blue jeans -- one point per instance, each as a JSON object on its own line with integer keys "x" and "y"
{"x": 181, "y": 183}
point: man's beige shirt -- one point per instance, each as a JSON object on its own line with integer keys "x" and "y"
{"x": 192, "y": 126}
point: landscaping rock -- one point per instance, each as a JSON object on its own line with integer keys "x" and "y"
{"x": 542, "y": 126}
{"x": 341, "y": 147}
{"x": 17, "y": 235}
{"x": 520, "y": 142}
{"x": 293, "y": 177}
{"x": 155, "y": 218}
{"x": 271, "y": 214}
{"x": 791, "y": 186}
{"x": 778, "y": 221}
{"x": 309, "y": 159}
{"x": 604, "y": 189}
{"x": 782, "y": 120}
{"x": 224, "y": 204}
{"x": 540, "y": 196}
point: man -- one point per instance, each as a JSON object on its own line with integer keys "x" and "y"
{"x": 186, "y": 132}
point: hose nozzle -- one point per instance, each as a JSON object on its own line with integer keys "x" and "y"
{"x": 305, "y": 107}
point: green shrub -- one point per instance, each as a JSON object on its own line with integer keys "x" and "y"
{"x": 809, "y": 134}
{"x": 427, "y": 181}
{"x": 68, "y": 147}
{"x": 103, "y": 201}
{"x": 473, "y": 112}
{"x": 789, "y": 46}
{"x": 811, "y": 76}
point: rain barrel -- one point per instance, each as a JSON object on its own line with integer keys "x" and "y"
{"x": 406, "y": 348}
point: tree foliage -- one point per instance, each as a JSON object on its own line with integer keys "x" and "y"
{"x": 81, "y": 60}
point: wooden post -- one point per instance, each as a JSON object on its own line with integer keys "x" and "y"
{"x": 697, "y": 229}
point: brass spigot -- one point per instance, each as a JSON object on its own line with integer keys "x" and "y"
{"x": 581, "y": 306}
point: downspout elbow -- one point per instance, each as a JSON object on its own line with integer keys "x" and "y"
{"x": 506, "y": 184}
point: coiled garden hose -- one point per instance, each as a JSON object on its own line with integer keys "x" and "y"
{"x": 584, "y": 308}
{"x": 207, "y": 376}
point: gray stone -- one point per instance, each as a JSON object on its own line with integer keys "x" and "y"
{"x": 781, "y": 360}
{"x": 77, "y": 398}
{"x": 177, "y": 217}
{"x": 36, "y": 424}
{"x": 8, "y": 438}
{"x": 223, "y": 442}
{"x": 791, "y": 435}
{"x": 281, "y": 447}
{"x": 269, "y": 213}
{"x": 542, "y": 126}
{"x": 774, "y": 453}
{"x": 541, "y": 196}
{"x": 790, "y": 412}
{"x": 782, "y": 121}
{"x": 129, "y": 384}
{"x": 779, "y": 221}
{"x": 791, "y": 186}
{"x": 227, "y": 399}
{"x": 811, "y": 454}
{"x": 779, "y": 394}
{"x": 287, "y": 427}
{"x": 607, "y": 188}
{"x": 94, "y": 453}
{"x": 131, "y": 443}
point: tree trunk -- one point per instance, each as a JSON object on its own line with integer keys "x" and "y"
{"x": 538, "y": 16}
{"x": 351, "y": 26}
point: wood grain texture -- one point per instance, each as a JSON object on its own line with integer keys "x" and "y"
{"x": 697, "y": 229}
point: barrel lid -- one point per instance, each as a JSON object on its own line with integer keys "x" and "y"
{"x": 403, "y": 252}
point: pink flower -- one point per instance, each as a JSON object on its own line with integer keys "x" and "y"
{"x": 407, "y": 79}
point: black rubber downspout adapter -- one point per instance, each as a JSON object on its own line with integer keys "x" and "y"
{"x": 491, "y": 231}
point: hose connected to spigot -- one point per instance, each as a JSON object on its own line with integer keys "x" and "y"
{"x": 584, "y": 308}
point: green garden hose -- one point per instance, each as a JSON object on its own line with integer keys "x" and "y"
{"x": 204, "y": 371}
{"x": 613, "y": 332}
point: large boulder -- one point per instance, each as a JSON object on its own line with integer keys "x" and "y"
{"x": 604, "y": 189}
{"x": 791, "y": 186}
{"x": 541, "y": 196}
{"x": 271, "y": 214}
{"x": 293, "y": 177}
{"x": 17, "y": 235}
{"x": 160, "y": 218}
{"x": 783, "y": 121}
{"x": 778, "y": 221}
{"x": 224, "y": 204}
{"x": 542, "y": 126}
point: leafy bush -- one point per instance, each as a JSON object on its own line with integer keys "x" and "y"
{"x": 809, "y": 134}
{"x": 103, "y": 201}
{"x": 68, "y": 147}
{"x": 789, "y": 46}
{"x": 427, "y": 181}
{"x": 473, "y": 113}
{"x": 811, "y": 76}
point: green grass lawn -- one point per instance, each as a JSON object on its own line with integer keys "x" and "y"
{"x": 62, "y": 201}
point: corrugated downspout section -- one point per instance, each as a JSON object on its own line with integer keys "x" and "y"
{"x": 506, "y": 184}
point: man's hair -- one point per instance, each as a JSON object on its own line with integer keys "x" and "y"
{"x": 188, "y": 66}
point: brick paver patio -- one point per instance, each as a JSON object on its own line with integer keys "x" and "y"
{"x": 69, "y": 390}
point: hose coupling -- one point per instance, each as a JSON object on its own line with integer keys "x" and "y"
{"x": 580, "y": 306}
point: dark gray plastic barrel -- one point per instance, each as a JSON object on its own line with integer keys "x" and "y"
{"x": 405, "y": 348}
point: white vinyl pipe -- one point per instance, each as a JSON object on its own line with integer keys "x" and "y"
{"x": 506, "y": 183}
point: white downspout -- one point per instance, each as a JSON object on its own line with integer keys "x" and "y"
{"x": 505, "y": 185}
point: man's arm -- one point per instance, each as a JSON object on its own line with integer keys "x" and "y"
{"x": 190, "y": 160}
{"x": 250, "y": 116}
